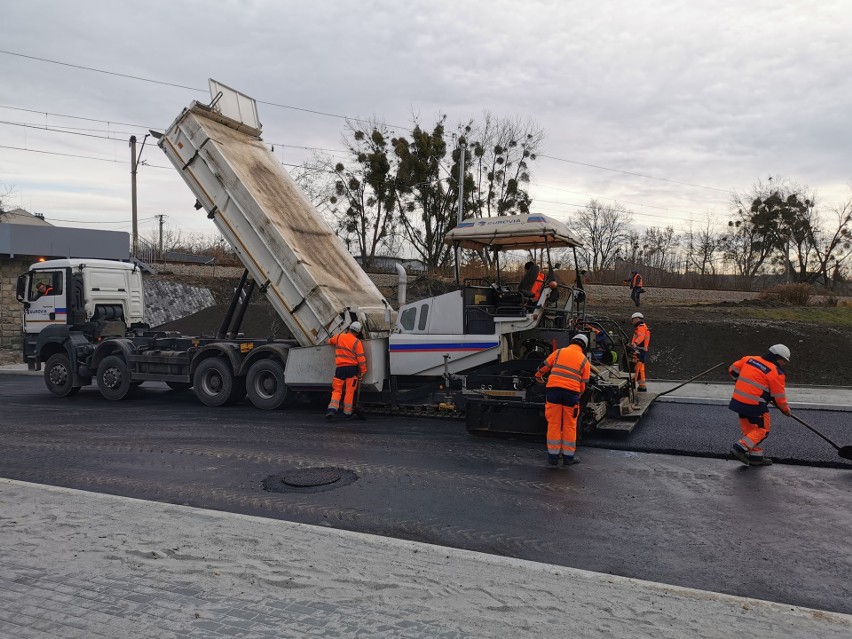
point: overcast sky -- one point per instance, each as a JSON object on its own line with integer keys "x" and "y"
{"x": 710, "y": 96}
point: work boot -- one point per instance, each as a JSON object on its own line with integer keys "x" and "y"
{"x": 348, "y": 416}
{"x": 331, "y": 414}
{"x": 740, "y": 454}
{"x": 759, "y": 461}
{"x": 570, "y": 461}
{"x": 642, "y": 389}
{"x": 553, "y": 460}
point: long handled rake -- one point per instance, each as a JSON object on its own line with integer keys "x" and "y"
{"x": 844, "y": 451}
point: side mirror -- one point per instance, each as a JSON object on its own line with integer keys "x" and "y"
{"x": 21, "y": 289}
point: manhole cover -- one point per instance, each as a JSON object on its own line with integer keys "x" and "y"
{"x": 311, "y": 477}
{"x": 309, "y": 480}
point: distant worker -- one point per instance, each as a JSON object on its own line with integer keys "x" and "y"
{"x": 639, "y": 344}
{"x": 568, "y": 371}
{"x": 759, "y": 381}
{"x": 635, "y": 283}
{"x": 350, "y": 366}
{"x": 532, "y": 283}
{"x": 43, "y": 289}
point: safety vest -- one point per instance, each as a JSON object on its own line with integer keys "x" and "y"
{"x": 636, "y": 282}
{"x": 641, "y": 336}
{"x": 568, "y": 367}
{"x": 349, "y": 351}
{"x": 758, "y": 382}
{"x": 538, "y": 285}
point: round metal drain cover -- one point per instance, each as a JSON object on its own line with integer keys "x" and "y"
{"x": 306, "y": 477}
{"x": 309, "y": 480}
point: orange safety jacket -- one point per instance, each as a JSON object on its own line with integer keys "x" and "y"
{"x": 538, "y": 285}
{"x": 641, "y": 337}
{"x": 758, "y": 381}
{"x": 568, "y": 367}
{"x": 636, "y": 282}
{"x": 349, "y": 351}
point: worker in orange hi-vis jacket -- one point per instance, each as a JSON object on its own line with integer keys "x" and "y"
{"x": 640, "y": 342}
{"x": 759, "y": 381}
{"x": 635, "y": 283}
{"x": 350, "y": 366}
{"x": 568, "y": 371}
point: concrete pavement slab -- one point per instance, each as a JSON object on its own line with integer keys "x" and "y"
{"x": 80, "y": 564}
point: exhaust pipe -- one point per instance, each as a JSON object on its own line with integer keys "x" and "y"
{"x": 402, "y": 286}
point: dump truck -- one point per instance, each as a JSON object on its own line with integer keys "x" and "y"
{"x": 471, "y": 352}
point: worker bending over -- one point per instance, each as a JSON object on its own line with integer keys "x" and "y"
{"x": 568, "y": 371}
{"x": 350, "y": 366}
{"x": 639, "y": 344}
{"x": 759, "y": 381}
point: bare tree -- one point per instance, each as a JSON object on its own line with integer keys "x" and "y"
{"x": 660, "y": 247}
{"x": 502, "y": 150}
{"x": 5, "y": 193}
{"x": 604, "y": 230}
{"x": 833, "y": 248}
{"x": 702, "y": 247}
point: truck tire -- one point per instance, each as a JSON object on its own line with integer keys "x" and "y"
{"x": 114, "y": 378}
{"x": 265, "y": 385}
{"x": 215, "y": 384}
{"x": 58, "y": 376}
{"x": 179, "y": 386}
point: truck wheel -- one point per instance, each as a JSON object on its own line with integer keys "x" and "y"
{"x": 58, "y": 376}
{"x": 215, "y": 384}
{"x": 265, "y": 385}
{"x": 114, "y": 378}
{"x": 179, "y": 386}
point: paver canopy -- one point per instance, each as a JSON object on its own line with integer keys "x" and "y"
{"x": 512, "y": 232}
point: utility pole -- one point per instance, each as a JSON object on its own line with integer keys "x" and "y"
{"x": 460, "y": 213}
{"x": 133, "y": 194}
{"x": 161, "y": 216}
{"x": 134, "y": 164}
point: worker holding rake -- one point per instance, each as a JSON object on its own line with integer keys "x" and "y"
{"x": 759, "y": 380}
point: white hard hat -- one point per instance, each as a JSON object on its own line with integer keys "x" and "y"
{"x": 355, "y": 327}
{"x": 637, "y": 315}
{"x": 579, "y": 337}
{"x": 781, "y": 351}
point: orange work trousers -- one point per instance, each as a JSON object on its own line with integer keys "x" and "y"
{"x": 755, "y": 430}
{"x": 639, "y": 368}
{"x": 344, "y": 388}
{"x": 561, "y": 428}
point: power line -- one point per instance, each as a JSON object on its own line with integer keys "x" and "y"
{"x": 183, "y": 86}
{"x": 641, "y": 175}
{"x": 73, "y": 155}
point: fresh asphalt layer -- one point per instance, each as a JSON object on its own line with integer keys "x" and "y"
{"x": 777, "y": 533}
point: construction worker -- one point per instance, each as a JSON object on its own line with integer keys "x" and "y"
{"x": 568, "y": 371}
{"x": 532, "y": 283}
{"x": 350, "y": 366}
{"x": 759, "y": 381}
{"x": 639, "y": 344}
{"x": 635, "y": 283}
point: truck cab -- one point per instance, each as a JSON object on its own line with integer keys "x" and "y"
{"x": 98, "y": 298}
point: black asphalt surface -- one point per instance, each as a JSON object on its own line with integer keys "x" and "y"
{"x": 693, "y": 519}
